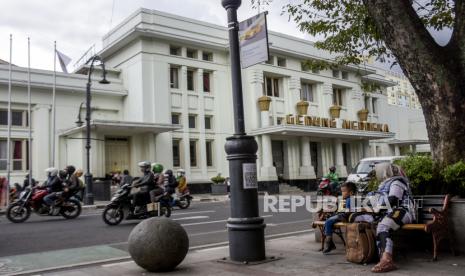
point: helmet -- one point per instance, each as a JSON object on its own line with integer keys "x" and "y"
{"x": 332, "y": 169}
{"x": 51, "y": 172}
{"x": 181, "y": 172}
{"x": 70, "y": 169}
{"x": 144, "y": 165}
{"x": 169, "y": 172}
{"x": 63, "y": 174}
{"x": 157, "y": 168}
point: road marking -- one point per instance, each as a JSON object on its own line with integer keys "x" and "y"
{"x": 115, "y": 264}
{"x": 207, "y": 233}
{"x": 195, "y": 212}
{"x": 215, "y": 221}
{"x": 193, "y": 217}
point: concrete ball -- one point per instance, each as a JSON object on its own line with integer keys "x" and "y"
{"x": 158, "y": 244}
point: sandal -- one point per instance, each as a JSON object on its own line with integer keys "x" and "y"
{"x": 383, "y": 267}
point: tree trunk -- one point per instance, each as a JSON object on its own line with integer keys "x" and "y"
{"x": 437, "y": 74}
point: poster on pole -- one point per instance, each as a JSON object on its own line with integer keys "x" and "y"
{"x": 253, "y": 40}
{"x": 249, "y": 171}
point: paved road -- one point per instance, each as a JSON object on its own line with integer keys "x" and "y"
{"x": 204, "y": 222}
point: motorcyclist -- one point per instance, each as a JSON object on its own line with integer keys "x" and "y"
{"x": 54, "y": 185}
{"x": 170, "y": 182}
{"x": 26, "y": 182}
{"x": 146, "y": 183}
{"x": 333, "y": 178}
{"x": 158, "y": 176}
{"x": 182, "y": 181}
{"x": 71, "y": 182}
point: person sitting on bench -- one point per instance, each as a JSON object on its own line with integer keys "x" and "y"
{"x": 396, "y": 196}
{"x": 347, "y": 189}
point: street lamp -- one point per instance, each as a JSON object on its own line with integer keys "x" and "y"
{"x": 88, "y": 177}
{"x": 246, "y": 229}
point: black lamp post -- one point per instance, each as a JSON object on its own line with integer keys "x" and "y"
{"x": 245, "y": 226}
{"x": 88, "y": 177}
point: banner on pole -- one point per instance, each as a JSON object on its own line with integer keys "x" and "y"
{"x": 253, "y": 40}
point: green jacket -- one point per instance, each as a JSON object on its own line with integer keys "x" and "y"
{"x": 333, "y": 177}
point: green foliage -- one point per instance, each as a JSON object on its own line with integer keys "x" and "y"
{"x": 347, "y": 28}
{"x": 217, "y": 179}
{"x": 419, "y": 170}
{"x": 454, "y": 177}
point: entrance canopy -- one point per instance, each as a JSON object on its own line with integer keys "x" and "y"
{"x": 123, "y": 127}
{"x": 328, "y": 132}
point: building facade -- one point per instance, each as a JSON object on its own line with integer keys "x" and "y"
{"x": 170, "y": 101}
{"x": 403, "y": 93}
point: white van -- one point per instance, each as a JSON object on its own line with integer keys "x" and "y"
{"x": 365, "y": 165}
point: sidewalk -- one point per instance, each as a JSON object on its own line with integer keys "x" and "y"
{"x": 297, "y": 255}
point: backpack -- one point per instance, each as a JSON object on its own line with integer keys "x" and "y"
{"x": 360, "y": 243}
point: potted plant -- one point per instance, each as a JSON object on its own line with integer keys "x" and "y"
{"x": 218, "y": 186}
{"x": 335, "y": 111}
{"x": 363, "y": 115}
{"x": 302, "y": 107}
{"x": 264, "y": 103}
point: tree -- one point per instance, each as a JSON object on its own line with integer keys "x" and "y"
{"x": 381, "y": 28}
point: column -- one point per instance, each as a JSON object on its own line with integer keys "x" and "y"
{"x": 41, "y": 140}
{"x": 306, "y": 170}
{"x": 267, "y": 171}
{"x": 396, "y": 150}
{"x": 201, "y": 121}
{"x": 185, "y": 121}
{"x": 366, "y": 149}
{"x": 339, "y": 158}
{"x": 414, "y": 148}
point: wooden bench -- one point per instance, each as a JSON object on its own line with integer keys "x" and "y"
{"x": 430, "y": 220}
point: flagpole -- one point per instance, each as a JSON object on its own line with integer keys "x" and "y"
{"x": 29, "y": 110}
{"x": 53, "y": 101}
{"x": 8, "y": 149}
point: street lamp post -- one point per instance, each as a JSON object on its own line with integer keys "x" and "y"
{"x": 89, "y": 200}
{"x": 245, "y": 226}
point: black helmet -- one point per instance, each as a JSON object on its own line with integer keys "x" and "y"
{"x": 169, "y": 172}
{"x": 62, "y": 174}
{"x": 70, "y": 169}
{"x": 332, "y": 169}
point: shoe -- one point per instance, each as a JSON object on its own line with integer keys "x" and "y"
{"x": 329, "y": 245}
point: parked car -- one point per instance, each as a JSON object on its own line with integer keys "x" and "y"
{"x": 359, "y": 174}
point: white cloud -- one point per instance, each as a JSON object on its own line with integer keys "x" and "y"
{"x": 76, "y": 25}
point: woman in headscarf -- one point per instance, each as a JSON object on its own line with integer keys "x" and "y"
{"x": 396, "y": 197}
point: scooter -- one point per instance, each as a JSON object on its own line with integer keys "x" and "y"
{"x": 122, "y": 204}
{"x": 31, "y": 199}
{"x": 184, "y": 200}
{"x": 328, "y": 188}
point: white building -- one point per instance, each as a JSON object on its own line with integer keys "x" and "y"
{"x": 170, "y": 101}
{"x": 403, "y": 93}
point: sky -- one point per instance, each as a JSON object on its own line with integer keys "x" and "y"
{"x": 77, "y": 25}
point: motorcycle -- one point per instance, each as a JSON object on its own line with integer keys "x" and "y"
{"x": 121, "y": 203}
{"x": 328, "y": 188}
{"x": 31, "y": 199}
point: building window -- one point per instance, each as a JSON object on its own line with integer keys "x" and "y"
{"x": 191, "y": 53}
{"x": 272, "y": 87}
{"x": 175, "y": 50}
{"x": 207, "y": 56}
{"x": 174, "y": 77}
{"x": 315, "y": 71}
{"x": 176, "y": 153}
{"x": 281, "y": 62}
{"x": 209, "y": 153}
{"x": 270, "y": 60}
{"x": 18, "y": 118}
{"x": 19, "y": 153}
{"x": 206, "y": 82}
{"x": 279, "y": 120}
{"x": 193, "y": 152}
{"x": 208, "y": 122}
{"x": 175, "y": 118}
{"x": 306, "y": 92}
{"x": 192, "y": 121}
{"x": 190, "y": 80}
{"x": 345, "y": 75}
{"x": 335, "y": 74}
{"x": 304, "y": 66}
{"x": 338, "y": 96}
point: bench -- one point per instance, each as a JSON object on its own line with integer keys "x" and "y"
{"x": 429, "y": 220}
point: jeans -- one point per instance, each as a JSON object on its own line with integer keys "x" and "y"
{"x": 50, "y": 199}
{"x": 329, "y": 223}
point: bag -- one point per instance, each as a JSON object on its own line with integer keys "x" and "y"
{"x": 360, "y": 243}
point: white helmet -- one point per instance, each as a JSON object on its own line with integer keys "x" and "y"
{"x": 51, "y": 171}
{"x": 181, "y": 171}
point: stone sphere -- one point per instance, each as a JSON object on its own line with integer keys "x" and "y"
{"x": 158, "y": 244}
